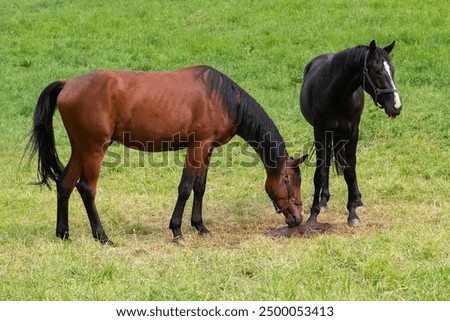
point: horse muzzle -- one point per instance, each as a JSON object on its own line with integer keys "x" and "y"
{"x": 392, "y": 111}
{"x": 294, "y": 219}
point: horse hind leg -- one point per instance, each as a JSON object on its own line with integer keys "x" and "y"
{"x": 87, "y": 187}
{"x": 320, "y": 175}
{"x": 64, "y": 187}
{"x": 325, "y": 193}
{"x": 86, "y": 193}
{"x": 320, "y": 198}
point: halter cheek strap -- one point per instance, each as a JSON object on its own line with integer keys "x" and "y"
{"x": 376, "y": 90}
{"x": 292, "y": 199}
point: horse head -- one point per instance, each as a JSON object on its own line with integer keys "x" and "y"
{"x": 284, "y": 191}
{"x": 378, "y": 79}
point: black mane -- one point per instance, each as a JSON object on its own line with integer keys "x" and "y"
{"x": 252, "y": 123}
{"x": 348, "y": 57}
{"x": 354, "y": 56}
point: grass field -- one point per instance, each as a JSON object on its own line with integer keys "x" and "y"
{"x": 400, "y": 252}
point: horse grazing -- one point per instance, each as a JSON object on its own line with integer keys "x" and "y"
{"x": 197, "y": 108}
{"x": 332, "y": 101}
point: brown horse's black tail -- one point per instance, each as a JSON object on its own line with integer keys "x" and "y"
{"x": 42, "y": 138}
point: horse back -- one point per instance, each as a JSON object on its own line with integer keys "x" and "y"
{"x": 311, "y": 77}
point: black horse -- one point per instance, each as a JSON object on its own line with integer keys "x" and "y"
{"x": 332, "y": 101}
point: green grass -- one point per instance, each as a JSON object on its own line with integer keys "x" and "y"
{"x": 400, "y": 252}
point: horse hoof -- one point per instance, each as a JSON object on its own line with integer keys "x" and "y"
{"x": 205, "y": 234}
{"x": 354, "y": 222}
{"x": 359, "y": 203}
{"x": 63, "y": 235}
{"x": 105, "y": 241}
{"x": 312, "y": 220}
{"x": 108, "y": 242}
{"x": 323, "y": 204}
{"x": 178, "y": 240}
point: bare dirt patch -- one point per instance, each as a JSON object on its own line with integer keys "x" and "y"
{"x": 303, "y": 230}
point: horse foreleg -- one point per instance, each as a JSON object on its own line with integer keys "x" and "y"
{"x": 184, "y": 191}
{"x": 200, "y": 163}
{"x": 194, "y": 177}
{"x": 87, "y": 187}
{"x": 199, "y": 191}
{"x": 354, "y": 195}
{"x": 65, "y": 186}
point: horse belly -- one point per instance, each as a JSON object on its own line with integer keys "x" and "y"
{"x": 158, "y": 133}
{"x": 153, "y": 141}
{"x": 153, "y": 132}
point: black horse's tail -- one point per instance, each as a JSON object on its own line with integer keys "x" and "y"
{"x": 335, "y": 148}
{"x": 338, "y": 153}
{"x": 42, "y": 138}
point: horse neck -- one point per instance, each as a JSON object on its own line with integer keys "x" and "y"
{"x": 249, "y": 119}
{"x": 259, "y": 131}
{"x": 349, "y": 66}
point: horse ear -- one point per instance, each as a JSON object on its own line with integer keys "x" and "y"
{"x": 389, "y": 48}
{"x": 372, "y": 46}
{"x": 303, "y": 158}
{"x": 298, "y": 161}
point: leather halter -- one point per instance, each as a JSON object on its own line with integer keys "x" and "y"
{"x": 292, "y": 199}
{"x": 376, "y": 90}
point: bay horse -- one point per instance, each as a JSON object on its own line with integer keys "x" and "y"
{"x": 332, "y": 101}
{"x": 197, "y": 108}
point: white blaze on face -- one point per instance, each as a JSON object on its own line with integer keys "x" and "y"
{"x": 397, "y": 101}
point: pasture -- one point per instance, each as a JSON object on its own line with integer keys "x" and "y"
{"x": 399, "y": 252}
